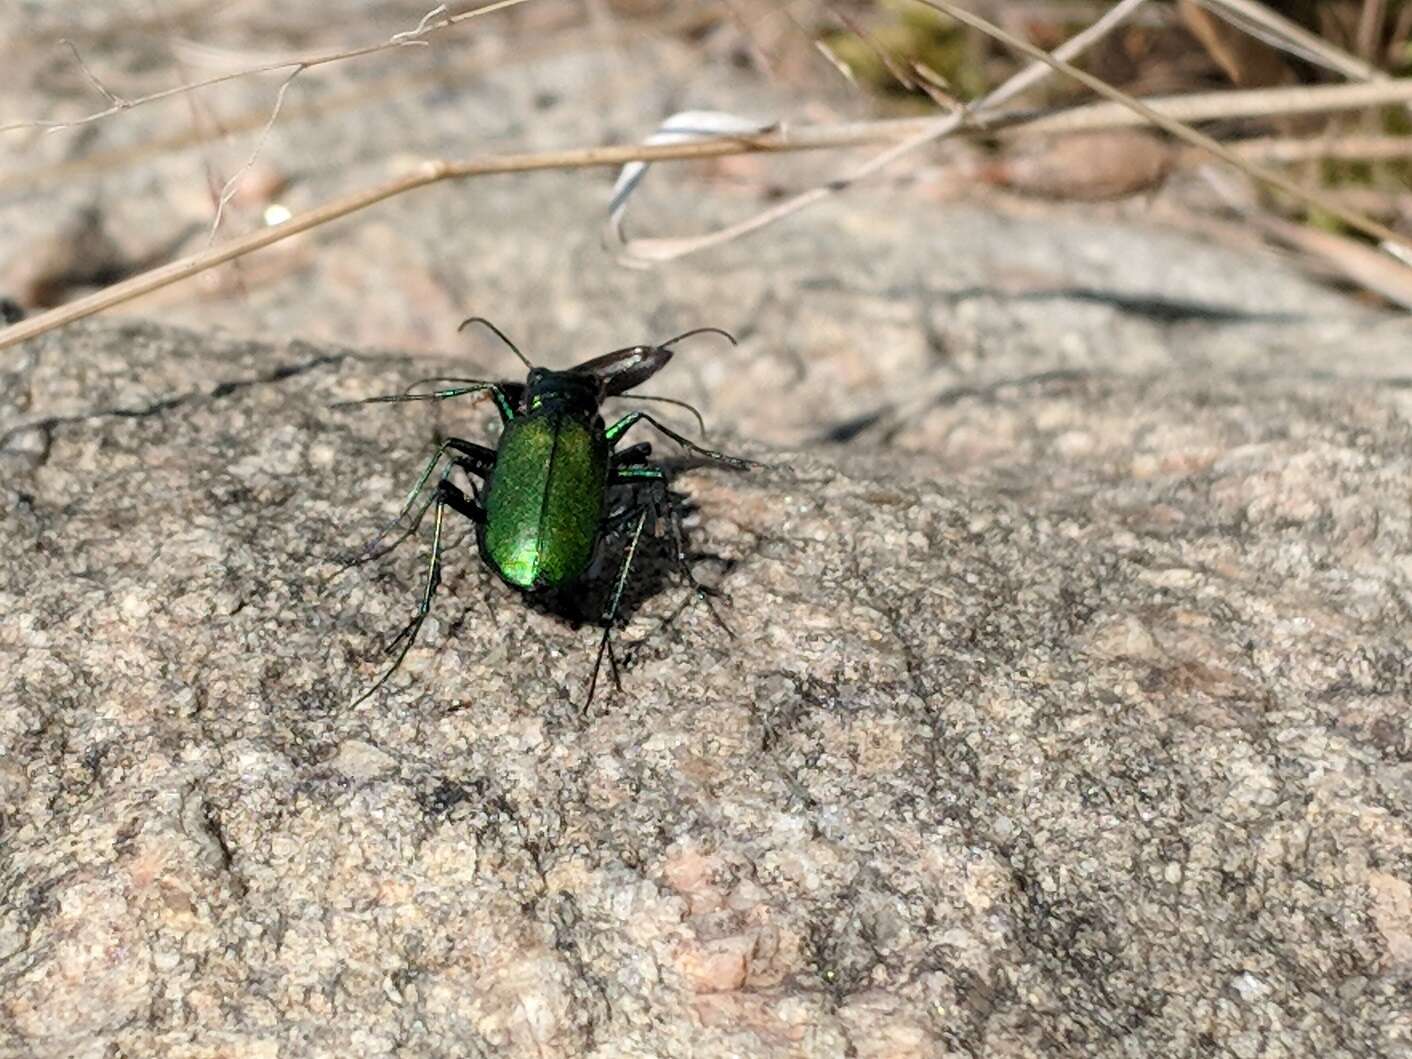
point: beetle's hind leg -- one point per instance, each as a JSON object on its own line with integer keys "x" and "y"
{"x": 657, "y": 483}
{"x": 447, "y": 495}
{"x": 611, "y": 614}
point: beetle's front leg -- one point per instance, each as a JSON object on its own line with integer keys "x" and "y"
{"x": 615, "y": 432}
{"x": 503, "y": 404}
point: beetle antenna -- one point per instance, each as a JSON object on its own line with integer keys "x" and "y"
{"x": 501, "y": 335}
{"x": 701, "y": 423}
{"x": 699, "y": 331}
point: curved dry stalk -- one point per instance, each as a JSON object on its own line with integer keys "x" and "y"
{"x": 1354, "y": 260}
{"x": 1181, "y": 131}
{"x": 297, "y": 64}
{"x": 251, "y": 120}
{"x": 1291, "y": 151}
{"x": 1220, "y": 106}
{"x": 641, "y": 252}
{"x": 117, "y": 101}
{"x": 232, "y": 185}
{"x": 784, "y": 139}
{"x": 1274, "y": 29}
{"x": 1191, "y": 106}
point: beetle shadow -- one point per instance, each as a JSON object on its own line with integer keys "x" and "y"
{"x": 655, "y": 568}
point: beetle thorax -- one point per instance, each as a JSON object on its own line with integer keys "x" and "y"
{"x": 563, "y": 391}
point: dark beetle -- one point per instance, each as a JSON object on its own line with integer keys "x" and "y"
{"x": 540, "y": 500}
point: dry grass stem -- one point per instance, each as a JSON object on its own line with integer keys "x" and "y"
{"x": 298, "y": 64}
{"x": 904, "y": 135}
{"x": 1354, "y": 220}
{"x": 233, "y": 184}
{"x": 115, "y": 100}
{"x": 1370, "y": 24}
{"x": 1279, "y": 32}
{"x": 1286, "y": 151}
{"x": 641, "y": 251}
{"x": 1203, "y": 106}
{"x": 1368, "y": 267}
{"x": 1220, "y": 106}
{"x": 838, "y": 64}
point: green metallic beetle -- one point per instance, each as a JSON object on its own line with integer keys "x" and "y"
{"x": 541, "y": 500}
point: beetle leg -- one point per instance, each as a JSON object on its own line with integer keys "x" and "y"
{"x": 618, "y": 518}
{"x": 633, "y": 454}
{"x": 447, "y": 495}
{"x": 370, "y": 550}
{"x": 611, "y": 614}
{"x": 459, "y": 502}
{"x": 622, "y": 426}
{"x": 472, "y": 473}
{"x": 503, "y": 405}
{"x": 408, "y": 636}
{"x": 660, "y": 497}
{"x": 478, "y": 461}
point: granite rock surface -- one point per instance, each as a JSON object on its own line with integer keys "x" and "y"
{"x": 1073, "y": 721}
{"x": 1066, "y": 710}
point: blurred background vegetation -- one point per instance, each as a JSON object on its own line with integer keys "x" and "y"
{"x": 814, "y": 60}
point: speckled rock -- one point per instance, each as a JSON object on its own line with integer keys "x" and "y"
{"x": 1093, "y": 741}
{"x": 1066, "y": 711}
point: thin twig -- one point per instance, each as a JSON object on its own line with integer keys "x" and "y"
{"x": 838, "y": 64}
{"x": 1370, "y": 25}
{"x": 934, "y": 85}
{"x": 804, "y": 138}
{"x": 233, "y": 184}
{"x": 937, "y": 128}
{"x": 305, "y": 62}
{"x": 117, "y": 101}
{"x": 1279, "y": 32}
{"x": 1366, "y": 225}
{"x": 376, "y": 88}
{"x": 1367, "y": 266}
{"x": 893, "y": 67}
{"x": 1196, "y": 106}
{"x": 1291, "y": 150}
{"x": 414, "y": 36}
{"x": 1224, "y": 106}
